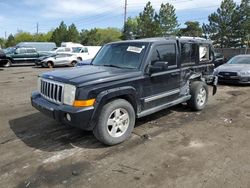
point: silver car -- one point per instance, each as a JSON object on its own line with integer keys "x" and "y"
{"x": 62, "y": 59}
{"x": 236, "y": 70}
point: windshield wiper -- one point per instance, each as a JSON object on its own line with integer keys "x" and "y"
{"x": 113, "y": 66}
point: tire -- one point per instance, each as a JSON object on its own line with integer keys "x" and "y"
{"x": 79, "y": 58}
{"x": 73, "y": 63}
{"x": 50, "y": 64}
{"x": 199, "y": 95}
{"x": 111, "y": 128}
{"x": 8, "y": 63}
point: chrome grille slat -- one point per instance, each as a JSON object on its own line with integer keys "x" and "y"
{"x": 52, "y": 90}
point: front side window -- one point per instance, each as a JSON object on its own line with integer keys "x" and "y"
{"x": 21, "y": 51}
{"x": 166, "y": 53}
{"x": 121, "y": 55}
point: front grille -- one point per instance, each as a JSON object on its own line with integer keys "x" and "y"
{"x": 51, "y": 90}
{"x": 228, "y": 74}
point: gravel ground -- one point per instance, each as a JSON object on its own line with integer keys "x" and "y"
{"x": 172, "y": 148}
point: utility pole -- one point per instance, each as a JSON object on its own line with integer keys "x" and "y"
{"x": 125, "y": 12}
{"x": 5, "y": 35}
{"x": 37, "y": 28}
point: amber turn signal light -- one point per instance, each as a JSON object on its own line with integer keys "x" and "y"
{"x": 84, "y": 103}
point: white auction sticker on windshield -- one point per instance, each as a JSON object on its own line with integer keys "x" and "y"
{"x": 134, "y": 49}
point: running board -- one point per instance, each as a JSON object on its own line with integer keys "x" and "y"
{"x": 164, "y": 106}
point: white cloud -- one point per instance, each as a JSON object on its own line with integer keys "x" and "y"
{"x": 71, "y": 8}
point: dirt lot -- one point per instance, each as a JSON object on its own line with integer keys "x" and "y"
{"x": 172, "y": 148}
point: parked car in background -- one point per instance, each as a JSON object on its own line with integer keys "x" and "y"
{"x": 39, "y": 46}
{"x": 3, "y": 58}
{"x": 236, "y": 70}
{"x": 62, "y": 59}
{"x": 19, "y": 55}
{"x": 82, "y": 52}
{"x": 83, "y": 63}
{"x": 219, "y": 59}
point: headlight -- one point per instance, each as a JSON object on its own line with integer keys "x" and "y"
{"x": 39, "y": 84}
{"x": 245, "y": 73}
{"x": 69, "y": 94}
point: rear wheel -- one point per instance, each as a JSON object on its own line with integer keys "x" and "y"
{"x": 199, "y": 95}
{"x": 79, "y": 58}
{"x": 8, "y": 63}
{"x": 116, "y": 122}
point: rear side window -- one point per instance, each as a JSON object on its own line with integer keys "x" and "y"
{"x": 31, "y": 50}
{"x": 67, "y": 49}
{"x": 166, "y": 53}
{"x": 189, "y": 53}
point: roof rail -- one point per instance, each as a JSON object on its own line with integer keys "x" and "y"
{"x": 187, "y": 37}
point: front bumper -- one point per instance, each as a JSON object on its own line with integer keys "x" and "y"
{"x": 234, "y": 79}
{"x": 38, "y": 62}
{"x": 80, "y": 117}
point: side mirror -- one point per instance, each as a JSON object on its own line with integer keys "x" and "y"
{"x": 158, "y": 66}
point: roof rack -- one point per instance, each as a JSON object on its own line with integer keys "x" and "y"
{"x": 186, "y": 37}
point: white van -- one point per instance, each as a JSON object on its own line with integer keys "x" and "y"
{"x": 86, "y": 52}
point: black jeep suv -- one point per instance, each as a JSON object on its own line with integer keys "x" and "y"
{"x": 128, "y": 80}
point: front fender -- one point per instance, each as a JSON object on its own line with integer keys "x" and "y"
{"x": 102, "y": 98}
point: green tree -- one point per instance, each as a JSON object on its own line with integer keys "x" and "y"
{"x": 10, "y": 41}
{"x": 222, "y": 24}
{"x": 130, "y": 29}
{"x": 243, "y": 12}
{"x": 193, "y": 29}
{"x": 59, "y": 35}
{"x": 2, "y": 43}
{"x": 99, "y": 36}
{"x": 42, "y": 37}
{"x": 73, "y": 34}
{"x": 89, "y": 37}
{"x": 23, "y": 37}
{"x": 108, "y": 35}
{"x": 167, "y": 19}
{"x": 147, "y": 26}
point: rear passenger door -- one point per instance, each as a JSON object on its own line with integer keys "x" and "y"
{"x": 163, "y": 86}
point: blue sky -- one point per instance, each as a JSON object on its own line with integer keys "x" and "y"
{"x": 24, "y": 14}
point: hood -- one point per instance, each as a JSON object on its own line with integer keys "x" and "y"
{"x": 87, "y": 75}
{"x": 233, "y": 67}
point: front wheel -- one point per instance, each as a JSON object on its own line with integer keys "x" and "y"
{"x": 116, "y": 122}
{"x": 8, "y": 63}
{"x": 199, "y": 95}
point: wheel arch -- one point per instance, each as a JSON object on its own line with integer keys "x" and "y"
{"x": 127, "y": 93}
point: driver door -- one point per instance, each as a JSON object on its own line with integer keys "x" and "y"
{"x": 162, "y": 86}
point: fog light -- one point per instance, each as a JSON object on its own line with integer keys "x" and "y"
{"x": 68, "y": 117}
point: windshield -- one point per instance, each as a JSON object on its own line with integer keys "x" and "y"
{"x": 240, "y": 60}
{"x": 121, "y": 55}
{"x": 9, "y": 50}
{"x": 54, "y": 49}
